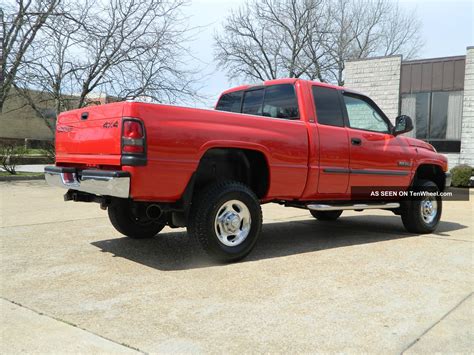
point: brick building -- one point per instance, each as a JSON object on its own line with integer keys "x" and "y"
{"x": 438, "y": 94}
{"x": 19, "y": 121}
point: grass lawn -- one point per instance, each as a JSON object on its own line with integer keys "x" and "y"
{"x": 19, "y": 173}
{"x": 31, "y": 151}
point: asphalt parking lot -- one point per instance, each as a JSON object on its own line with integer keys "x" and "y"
{"x": 71, "y": 283}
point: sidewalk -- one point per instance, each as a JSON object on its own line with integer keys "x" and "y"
{"x": 23, "y": 330}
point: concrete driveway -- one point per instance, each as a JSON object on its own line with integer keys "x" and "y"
{"x": 71, "y": 283}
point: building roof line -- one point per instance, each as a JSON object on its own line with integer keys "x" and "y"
{"x": 438, "y": 59}
{"x": 372, "y": 58}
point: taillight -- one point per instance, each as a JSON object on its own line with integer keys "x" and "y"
{"x": 133, "y": 137}
{"x": 68, "y": 178}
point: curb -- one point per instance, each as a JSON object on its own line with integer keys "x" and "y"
{"x": 21, "y": 177}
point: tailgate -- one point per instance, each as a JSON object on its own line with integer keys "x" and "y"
{"x": 91, "y": 134}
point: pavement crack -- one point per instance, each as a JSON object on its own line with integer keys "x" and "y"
{"x": 72, "y": 324}
{"x": 52, "y": 222}
{"x": 437, "y": 322}
{"x": 444, "y": 238}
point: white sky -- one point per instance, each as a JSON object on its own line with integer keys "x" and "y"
{"x": 448, "y": 28}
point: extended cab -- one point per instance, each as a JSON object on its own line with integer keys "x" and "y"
{"x": 295, "y": 142}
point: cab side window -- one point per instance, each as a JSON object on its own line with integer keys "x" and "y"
{"x": 362, "y": 115}
{"x": 230, "y": 102}
{"x": 328, "y": 106}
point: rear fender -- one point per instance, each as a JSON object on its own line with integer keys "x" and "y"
{"x": 234, "y": 144}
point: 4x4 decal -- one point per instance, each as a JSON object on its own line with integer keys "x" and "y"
{"x": 110, "y": 124}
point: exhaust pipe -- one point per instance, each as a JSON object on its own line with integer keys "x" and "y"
{"x": 154, "y": 211}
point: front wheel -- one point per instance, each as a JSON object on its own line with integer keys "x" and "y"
{"x": 129, "y": 219}
{"x": 226, "y": 220}
{"x": 421, "y": 214}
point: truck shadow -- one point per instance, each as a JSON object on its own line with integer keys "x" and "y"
{"x": 174, "y": 250}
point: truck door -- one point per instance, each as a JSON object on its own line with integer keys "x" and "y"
{"x": 333, "y": 141}
{"x": 377, "y": 158}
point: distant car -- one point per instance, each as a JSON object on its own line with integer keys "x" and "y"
{"x": 295, "y": 142}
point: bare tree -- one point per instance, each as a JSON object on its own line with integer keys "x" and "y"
{"x": 19, "y": 27}
{"x": 132, "y": 48}
{"x": 366, "y": 28}
{"x": 268, "y": 39}
{"x": 401, "y": 33}
{"x": 46, "y": 81}
{"x": 126, "y": 49}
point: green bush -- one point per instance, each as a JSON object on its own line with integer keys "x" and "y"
{"x": 10, "y": 156}
{"x": 460, "y": 175}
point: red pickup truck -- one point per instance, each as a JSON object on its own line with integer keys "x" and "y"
{"x": 294, "y": 142}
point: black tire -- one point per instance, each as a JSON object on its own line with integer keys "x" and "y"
{"x": 416, "y": 221}
{"x": 127, "y": 222}
{"x": 326, "y": 215}
{"x": 204, "y": 227}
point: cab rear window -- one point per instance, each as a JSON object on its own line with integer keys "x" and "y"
{"x": 252, "y": 104}
{"x": 280, "y": 102}
{"x": 276, "y": 101}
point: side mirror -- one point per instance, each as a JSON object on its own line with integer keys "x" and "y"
{"x": 403, "y": 124}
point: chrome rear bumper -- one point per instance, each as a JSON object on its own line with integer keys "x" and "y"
{"x": 98, "y": 182}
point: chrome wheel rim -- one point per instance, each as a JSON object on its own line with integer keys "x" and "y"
{"x": 233, "y": 222}
{"x": 429, "y": 209}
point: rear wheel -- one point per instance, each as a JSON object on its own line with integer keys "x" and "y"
{"x": 422, "y": 214}
{"x": 326, "y": 215}
{"x": 226, "y": 220}
{"x": 129, "y": 219}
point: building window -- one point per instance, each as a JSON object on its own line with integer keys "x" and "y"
{"x": 436, "y": 115}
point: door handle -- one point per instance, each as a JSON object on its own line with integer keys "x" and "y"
{"x": 356, "y": 141}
